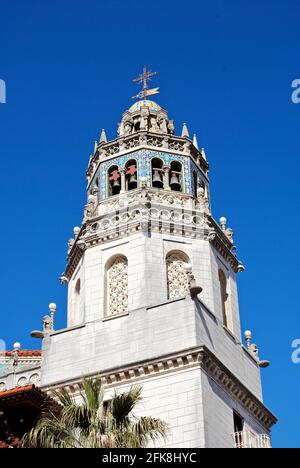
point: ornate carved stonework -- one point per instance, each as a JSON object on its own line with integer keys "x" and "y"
{"x": 177, "y": 276}
{"x": 117, "y": 287}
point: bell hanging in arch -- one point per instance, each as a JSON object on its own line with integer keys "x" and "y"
{"x": 175, "y": 183}
{"x": 132, "y": 182}
{"x": 116, "y": 187}
{"x": 157, "y": 179}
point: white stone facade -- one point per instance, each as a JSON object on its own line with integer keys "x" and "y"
{"x": 135, "y": 271}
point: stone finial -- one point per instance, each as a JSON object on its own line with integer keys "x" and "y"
{"x": 15, "y": 353}
{"x": 17, "y": 346}
{"x": 103, "y": 138}
{"x": 52, "y": 310}
{"x": 223, "y": 223}
{"x": 76, "y": 231}
{"x": 171, "y": 127}
{"x": 203, "y": 153}
{"x": 185, "y": 132}
{"x": 195, "y": 142}
{"x": 200, "y": 192}
{"x": 64, "y": 279}
{"x": 248, "y": 338}
{"x": 95, "y": 146}
{"x": 193, "y": 287}
{"x": 121, "y": 129}
{"x": 144, "y": 182}
{"x": 70, "y": 244}
{"x": 253, "y": 349}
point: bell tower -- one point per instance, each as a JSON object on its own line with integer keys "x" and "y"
{"x": 152, "y": 292}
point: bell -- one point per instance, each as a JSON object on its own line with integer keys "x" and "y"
{"x": 157, "y": 180}
{"x": 132, "y": 182}
{"x": 116, "y": 187}
{"x": 174, "y": 182}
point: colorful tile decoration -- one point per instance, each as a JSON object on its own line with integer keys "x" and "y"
{"x": 143, "y": 158}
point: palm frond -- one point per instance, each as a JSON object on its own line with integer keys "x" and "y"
{"x": 145, "y": 429}
{"x": 90, "y": 425}
{"x": 122, "y": 405}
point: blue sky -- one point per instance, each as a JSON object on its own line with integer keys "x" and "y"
{"x": 225, "y": 68}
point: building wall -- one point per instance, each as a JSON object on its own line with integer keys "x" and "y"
{"x": 218, "y": 409}
{"x": 147, "y": 275}
{"x": 176, "y": 399}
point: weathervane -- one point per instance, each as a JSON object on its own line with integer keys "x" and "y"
{"x": 144, "y": 78}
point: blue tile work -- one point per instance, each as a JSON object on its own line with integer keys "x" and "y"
{"x": 143, "y": 158}
{"x": 194, "y": 167}
{"x": 3, "y": 368}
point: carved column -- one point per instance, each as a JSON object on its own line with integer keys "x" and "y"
{"x": 121, "y": 144}
{"x": 123, "y": 180}
{"x": 166, "y": 183}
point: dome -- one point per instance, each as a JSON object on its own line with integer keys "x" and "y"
{"x": 151, "y": 104}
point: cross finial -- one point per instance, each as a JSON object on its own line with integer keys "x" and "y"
{"x": 144, "y": 78}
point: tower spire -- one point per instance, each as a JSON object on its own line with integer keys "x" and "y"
{"x": 143, "y": 78}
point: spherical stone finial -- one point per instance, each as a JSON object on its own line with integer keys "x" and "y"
{"x": 52, "y": 307}
{"x": 76, "y": 231}
{"x": 200, "y": 191}
{"x": 17, "y": 346}
{"x": 91, "y": 198}
{"x": 248, "y": 335}
{"x": 223, "y": 221}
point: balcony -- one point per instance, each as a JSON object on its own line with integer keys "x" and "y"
{"x": 247, "y": 439}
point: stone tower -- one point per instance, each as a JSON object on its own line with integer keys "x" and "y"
{"x": 152, "y": 293}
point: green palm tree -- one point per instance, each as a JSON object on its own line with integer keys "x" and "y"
{"x": 95, "y": 423}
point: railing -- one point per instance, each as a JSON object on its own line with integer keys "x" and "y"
{"x": 247, "y": 439}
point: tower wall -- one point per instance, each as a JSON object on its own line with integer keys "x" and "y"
{"x": 135, "y": 271}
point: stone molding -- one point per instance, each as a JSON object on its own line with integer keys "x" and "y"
{"x": 198, "y": 357}
{"x": 146, "y": 210}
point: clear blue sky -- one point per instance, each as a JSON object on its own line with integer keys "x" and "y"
{"x": 225, "y": 68}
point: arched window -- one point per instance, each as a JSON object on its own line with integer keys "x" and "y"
{"x": 224, "y": 299}
{"x": 131, "y": 175}
{"x": 114, "y": 181}
{"x": 96, "y": 188}
{"x": 157, "y": 173}
{"x": 176, "y": 176}
{"x": 195, "y": 183}
{"x": 177, "y": 264}
{"x": 117, "y": 286}
{"x": 76, "y": 307}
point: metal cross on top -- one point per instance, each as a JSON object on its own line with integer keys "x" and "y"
{"x": 144, "y": 78}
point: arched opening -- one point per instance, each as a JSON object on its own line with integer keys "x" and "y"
{"x": 195, "y": 183}
{"x": 157, "y": 173}
{"x": 224, "y": 299}
{"x": 116, "y": 286}
{"x": 176, "y": 176}
{"x": 95, "y": 189}
{"x": 201, "y": 189}
{"x": 131, "y": 175}
{"x": 114, "y": 181}
{"x": 177, "y": 274}
{"x": 137, "y": 126}
{"x": 76, "y": 308}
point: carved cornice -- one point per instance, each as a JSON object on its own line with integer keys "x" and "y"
{"x": 145, "y": 210}
{"x": 222, "y": 244}
{"x": 199, "y": 357}
{"x": 150, "y": 210}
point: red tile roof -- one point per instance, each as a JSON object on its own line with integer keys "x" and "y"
{"x": 26, "y": 353}
{"x": 16, "y": 391}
